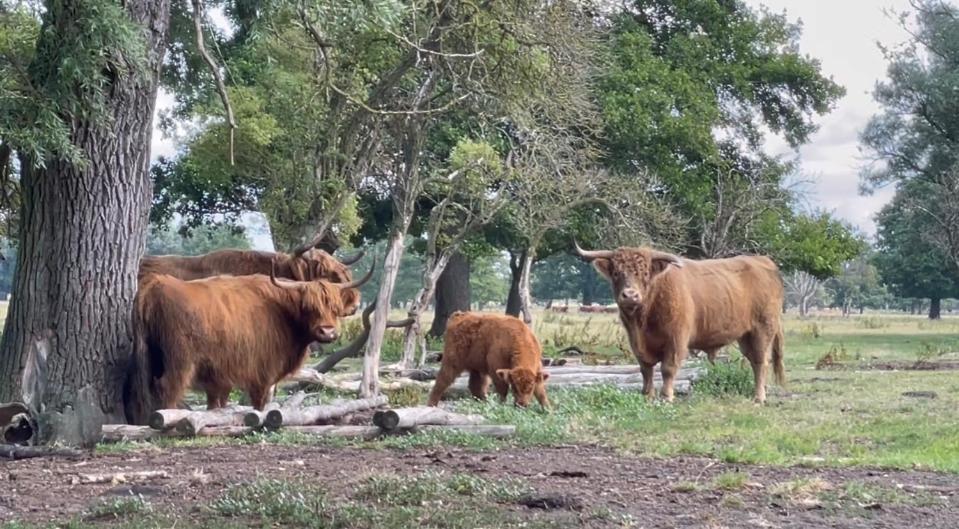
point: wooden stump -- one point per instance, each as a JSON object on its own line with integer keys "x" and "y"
{"x": 403, "y": 418}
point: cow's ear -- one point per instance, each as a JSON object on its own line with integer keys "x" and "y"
{"x": 503, "y": 374}
{"x": 604, "y": 266}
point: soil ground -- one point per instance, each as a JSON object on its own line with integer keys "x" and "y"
{"x": 676, "y": 492}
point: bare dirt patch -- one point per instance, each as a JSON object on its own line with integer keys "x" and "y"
{"x": 580, "y": 481}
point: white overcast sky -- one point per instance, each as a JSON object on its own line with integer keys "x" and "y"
{"x": 843, "y": 35}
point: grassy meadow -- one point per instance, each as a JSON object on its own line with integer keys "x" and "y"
{"x": 838, "y": 409}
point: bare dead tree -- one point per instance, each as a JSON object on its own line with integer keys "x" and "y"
{"x": 803, "y": 286}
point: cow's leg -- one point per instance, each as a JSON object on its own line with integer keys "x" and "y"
{"x": 259, "y": 396}
{"x": 173, "y": 384}
{"x": 217, "y": 395}
{"x": 502, "y": 388}
{"x": 672, "y": 361}
{"x": 711, "y": 355}
{"x": 444, "y": 379}
{"x": 648, "y": 388}
{"x": 479, "y": 384}
{"x": 540, "y": 394}
{"x": 756, "y": 347}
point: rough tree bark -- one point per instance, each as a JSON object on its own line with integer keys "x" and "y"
{"x": 452, "y": 293}
{"x": 370, "y": 385}
{"x": 68, "y": 337}
{"x": 514, "y": 304}
{"x": 935, "y": 309}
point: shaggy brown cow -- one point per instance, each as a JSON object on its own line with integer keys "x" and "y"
{"x": 303, "y": 265}
{"x": 669, "y": 305}
{"x": 492, "y": 345}
{"x": 224, "y": 332}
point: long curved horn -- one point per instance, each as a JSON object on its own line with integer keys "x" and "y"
{"x": 352, "y": 259}
{"x": 593, "y": 254}
{"x": 273, "y": 277}
{"x": 657, "y": 255}
{"x": 362, "y": 281}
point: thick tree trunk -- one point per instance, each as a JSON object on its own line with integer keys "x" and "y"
{"x": 452, "y": 293}
{"x": 68, "y": 337}
{"x": 514, "y": 304}
{"x": 526, "y": 299}
{"x": 370, "y": 384}
{"x": 935, "y": 309}
{"x": 588, "y": 279}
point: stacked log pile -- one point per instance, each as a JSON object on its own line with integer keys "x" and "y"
{"x": 291, "y": 416}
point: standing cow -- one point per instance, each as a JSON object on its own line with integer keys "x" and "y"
{"x": 224, "y": 332}
{"x": 305, "y": 264}
{"x": 669, "y": 305}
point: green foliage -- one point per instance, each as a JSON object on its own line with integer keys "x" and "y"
{"x": 908, "y": 262}
{"x": 857, "y": 286}
{"x": 681, "y": 70}
{"x": 61, "y": 70}
{"x": 817, "y": 244}
{"x": 726, "y": 378}
{"x": 205, "y": 239}
{"x": 489, "y": 280}
{"x": 281, "y": 501}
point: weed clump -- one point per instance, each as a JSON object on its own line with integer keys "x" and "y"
{"x": 726, "y": 378}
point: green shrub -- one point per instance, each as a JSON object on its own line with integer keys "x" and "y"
{"x": 726, "y": 378}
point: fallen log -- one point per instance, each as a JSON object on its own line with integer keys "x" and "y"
{"x": 255, "y": 418}
{"x": 403, "y": 418}
{"x": 118, "y": 477}
{"x": 9, "y": 451}
{"x": 167, "y": 419}
{"x": 484, "y": 430}
{"x": 364, "y": 432}
{"x": 314, "y": 414}
{"x": 198, "y": 420}
{"x": 129, "y": 432}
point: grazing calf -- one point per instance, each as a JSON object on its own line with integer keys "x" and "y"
{"x": 669, "y": 305}
{"x": 224, "y": 332}
{"x": 492, "y": 345}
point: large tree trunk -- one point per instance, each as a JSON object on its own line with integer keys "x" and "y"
{"x": 68, "y": 337}
{"x": 513, "y": 302}
{"x": 452, "y": 293}
{"x": 935, "y": 309}
{"x": 526, "y": 299}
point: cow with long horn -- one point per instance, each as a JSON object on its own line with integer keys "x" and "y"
{"x": 669, "y": 304}
{"x": 224, "y": 332}
{"x": 304, "y": 264}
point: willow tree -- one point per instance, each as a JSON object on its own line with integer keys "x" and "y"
{"x": 76, "y": 107}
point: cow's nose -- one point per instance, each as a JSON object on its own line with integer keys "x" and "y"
{"x": 328, "y": 333}
{"x": 629, "y": 295}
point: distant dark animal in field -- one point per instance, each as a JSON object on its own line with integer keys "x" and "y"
{"x": 224, "y": 332}
{"x": 306, "y": 265}
{"x": 669, "y": 304}
{"x": 493, "y": 346}
{"x": 561, "y": 309}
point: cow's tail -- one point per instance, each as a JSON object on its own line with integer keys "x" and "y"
{"x": 139, "y": 399}
{"x": 779, "y": 368}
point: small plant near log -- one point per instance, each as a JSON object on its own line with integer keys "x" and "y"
{"x": 272, "y": 500}
{"x": 731, "y": 481}
{"x": 724, "y": 379}
{"x": 405, "y": 397}
{"x": 836, "y": 355}
{"x": 119, "y": 508}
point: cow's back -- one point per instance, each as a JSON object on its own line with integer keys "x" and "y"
{"x": 479, "y": 341}
{"x": 722, "y": 299}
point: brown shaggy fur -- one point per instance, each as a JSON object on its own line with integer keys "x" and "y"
{"x": 311, "y": 265}
{"x": 669, "y": 307}
{"x": 492, "y": 345}
{"x": 220, "y": 333}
